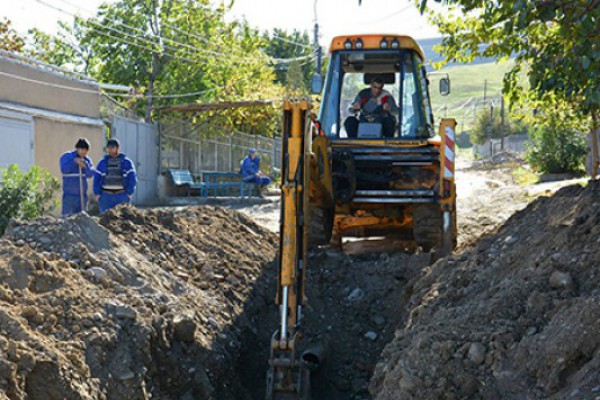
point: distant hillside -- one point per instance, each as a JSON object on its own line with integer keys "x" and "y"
{"x": 469, "y": 81}
{"x": 432, "y": 56}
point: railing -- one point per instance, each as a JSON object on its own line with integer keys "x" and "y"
{"x": 201, "y": 148}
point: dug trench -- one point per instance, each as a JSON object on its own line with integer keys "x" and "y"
{"x": 136, "y": 305}
{"x": 178, "y": 305}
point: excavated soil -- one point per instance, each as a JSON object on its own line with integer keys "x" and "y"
{"x": 515, "y": 316}
{"x": 178, "y": 304}
{"x": 137, "y": 305}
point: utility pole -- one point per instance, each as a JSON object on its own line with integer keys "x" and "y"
{"x": 491, "y": 129}
{"x": 484, "y": 92}
{"x": 316, "y": 42}
{"x": 501, "y": 122}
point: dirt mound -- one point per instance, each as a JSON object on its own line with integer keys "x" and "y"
{"x": 137, "y": 305}
{"x": 516, "y": 316}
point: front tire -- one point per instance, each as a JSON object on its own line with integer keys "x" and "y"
{"x": 427, "y": 226}
{"x": 320, "y": 226}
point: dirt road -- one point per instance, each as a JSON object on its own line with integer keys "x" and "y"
{"x": 486, "y": 198}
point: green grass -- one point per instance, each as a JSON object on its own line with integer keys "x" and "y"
{"x": 465, "y": 153}
{"x": 467, "y": 85}
{"x": 524, "y": 177}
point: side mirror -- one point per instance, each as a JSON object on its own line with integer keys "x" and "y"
{"x": 445, "y": 86}
{"x": 316, "y": 84}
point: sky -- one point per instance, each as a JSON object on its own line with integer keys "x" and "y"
{"x": 335, "y": 17}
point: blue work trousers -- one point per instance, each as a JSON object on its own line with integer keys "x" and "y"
{"x": 71, "y": 204}
{"x": 110, "y": 200}
{"x": 258, "y": 180}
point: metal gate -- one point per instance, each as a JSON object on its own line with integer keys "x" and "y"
{"x": 139, "y": 142}
{"x": 16, "y": 136}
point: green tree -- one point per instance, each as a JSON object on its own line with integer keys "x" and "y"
{"x": 556, "y": 148}
{"x": 556, "y": 42}
{"x": 68, "y": 47}
{"x": 10, "y": 40}
{"x": 281, "y": 44}
{"x": 26, "y": 195}
{"x": 558, "y": 143}
{"x": 167, "y": 50}
{"x": 484, "y": 123}
{"x": 295, "y": 81}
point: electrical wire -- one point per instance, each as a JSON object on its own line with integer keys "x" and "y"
{"x": 151, "y": 42}
{"x": 92, "y": 14}
{"x": 286, "y": 40}
{"x": 385, "y": 18}
{"x": 54, "y": 85}
{"x": 144, "y": 39}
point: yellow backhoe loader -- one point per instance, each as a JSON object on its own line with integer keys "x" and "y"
{"x": 371, "y": 164}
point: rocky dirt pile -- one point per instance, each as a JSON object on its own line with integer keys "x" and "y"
{"x": 516, "y": 316}
{"x": 139, "y": 304}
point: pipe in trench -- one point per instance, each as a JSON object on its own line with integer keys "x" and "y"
{"x": 314, "y": 356}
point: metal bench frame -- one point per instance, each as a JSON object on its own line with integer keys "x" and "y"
{"x": 214, "y": 183}
{"x": 182, "y": 178}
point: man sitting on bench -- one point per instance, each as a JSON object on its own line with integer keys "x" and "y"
{"x": 251, "y": 172}
{"x": 375, "y": 105}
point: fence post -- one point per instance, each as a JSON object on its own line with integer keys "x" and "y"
{"x": 231, "y": 151}
{"x": 273, "y": 161}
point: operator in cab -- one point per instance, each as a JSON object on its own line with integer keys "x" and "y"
{"x": 375, "y": 104}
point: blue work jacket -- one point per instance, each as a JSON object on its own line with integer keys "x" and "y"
{"x": 70, "y": 173}
{"x": 250, "y": 166}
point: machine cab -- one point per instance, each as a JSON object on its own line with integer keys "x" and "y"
{"x": 376, "y": 88}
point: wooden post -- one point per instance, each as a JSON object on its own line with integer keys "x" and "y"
{"x": 594, "y": 132}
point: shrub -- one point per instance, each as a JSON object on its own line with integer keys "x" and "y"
{"x": 512, "y": 126}
{"x": 26, "y": 195}
{"x": 556, "y": 148}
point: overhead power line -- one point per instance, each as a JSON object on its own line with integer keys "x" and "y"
{"x": 386, "y": 17}
{"x": 49, "y": 84}
{"x": 149, "y": 41}
{"x": 286, "y": 40}
{"x": 93, "y": 14}
{"x": 144, "y": 38}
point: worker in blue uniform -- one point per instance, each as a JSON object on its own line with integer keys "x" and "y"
{"x": 76, "y": 167}
{"x": 251, "y": 171}
{"x": 115, "y": 178}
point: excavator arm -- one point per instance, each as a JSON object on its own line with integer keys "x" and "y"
{"x": 288, "y": 376}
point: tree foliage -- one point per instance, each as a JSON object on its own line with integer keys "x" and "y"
{"x": 67, "y": 48}
{"x": 26, "y": 195}
{"x": 556, "y": 42}
{"x": 556, "y": 148}
{"x": 10, "y": 40}
{"x": 558, "y": 142}
{"x": 488, "y": 122}
{"x": 295, "y": 44}
{"x": 172, "y": 52}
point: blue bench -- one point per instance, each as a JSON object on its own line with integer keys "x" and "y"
{"x": 182, "y": 178}
{"x": 220, "y": 182}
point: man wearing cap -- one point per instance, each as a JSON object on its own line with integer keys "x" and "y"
{"x": 251, "y": 171}
{"x": 115, "y": 178}
{"x": 76, "y": 167}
